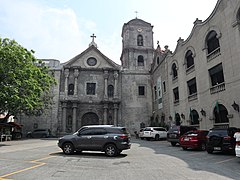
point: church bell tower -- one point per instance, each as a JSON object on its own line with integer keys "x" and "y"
{"x": 136, "y": 59}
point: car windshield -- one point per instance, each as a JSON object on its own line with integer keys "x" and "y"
{"x": 191, "y": 133}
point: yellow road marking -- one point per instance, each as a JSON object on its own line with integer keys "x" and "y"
{"x": 22, "y": 170}
{"x": 26, "y": 169}
{"x": 219, "y": 162}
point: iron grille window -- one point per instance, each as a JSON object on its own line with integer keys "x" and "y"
{"x": 140, "y": 40}
{"x": 141, "y": 90}
{"x": 91, "y": 88}
{"x": 70, "y": 89}
{"x": 140, "y": 61}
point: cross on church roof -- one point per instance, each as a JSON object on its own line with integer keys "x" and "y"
{"x": 93, "y": 36}
{"x": 136, "y": 14}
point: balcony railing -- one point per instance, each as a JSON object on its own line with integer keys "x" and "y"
{"x": 213, "y": 54}
{"x": 217, "y": 88}
{"x": 192, "y": 97}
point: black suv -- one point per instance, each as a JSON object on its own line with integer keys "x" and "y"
{"x": 175, "y": 132}
{"x": 106, "y": 138}
{"x": 221, "y": 139}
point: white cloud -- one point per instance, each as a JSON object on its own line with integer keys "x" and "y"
{"x": 51, "y": 32}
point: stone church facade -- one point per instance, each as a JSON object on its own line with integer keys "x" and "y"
{"x": 197, "y": 84}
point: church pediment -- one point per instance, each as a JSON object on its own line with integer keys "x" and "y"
{"x": 91, "y": 58}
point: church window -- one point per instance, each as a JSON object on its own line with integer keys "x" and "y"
{"x": 91, "y": 61}
{"x": 155, "y": 92}
{"x": 140, "y": 61}
{"x": 70, "y": 89}
{"x": 91, "y": 88}
{"x": 189, "y": 59}
{"x": 141, "y": 90}
{"x": 164, "y": 86}
{"x": 238, "y": 15}
{"x": 140, "y": 40}
{"x": 212, "y": 42}
{"x": 110, "y": 90}
{"x": 174, "y": 71}
{"x": 194, "y": 117}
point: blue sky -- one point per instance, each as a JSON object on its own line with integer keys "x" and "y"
{"x": 61, "y": 29}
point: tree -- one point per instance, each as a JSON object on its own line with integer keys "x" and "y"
{"x": 25, "y": 82}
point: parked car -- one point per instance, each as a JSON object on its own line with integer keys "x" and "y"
{"x": 194, "y": 139}
{"x": 175, "y": 132}
{"x": 221, "y": 139}
{"x": 39, "y": 133}
{"x": 109, "y": 139}
{"x": 155, "y": 133}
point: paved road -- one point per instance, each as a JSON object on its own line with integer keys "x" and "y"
{"x": 146, "y": 160}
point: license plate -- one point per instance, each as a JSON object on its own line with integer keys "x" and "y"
{"x": 217, "y": 148}
{"x": 186, "y": 139}
{"x": 172, "y": 135}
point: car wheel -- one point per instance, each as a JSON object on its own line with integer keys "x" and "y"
{"x": 173, "y": 143}
{"x": 203, "y": 147}
{"x": 157, "y": 137}
{"x": 68, "y": 148}
{"x": 210, "y": 151}
{"x": 29, "y": 136}
{"x": 44, "y": 136}
{"x": 142, "y": 138}
{"x": 184, "y": 148}
{"x": 111, "y": 150}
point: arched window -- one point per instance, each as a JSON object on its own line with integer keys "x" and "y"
{"x": 70, "y": 89}
{"x": 220, "y": 113}
{"x": 140, "y": 40}
{"x": 110, "y": 90}
{"x": 140, "y": 60}
{"x": 174, "y": 71}
{"x": 212, "y": 42}
{"x": 189, "y": 59}
{"x": 194, "y": 117}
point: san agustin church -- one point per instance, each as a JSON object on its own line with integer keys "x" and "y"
{"x": 197, "y": 84}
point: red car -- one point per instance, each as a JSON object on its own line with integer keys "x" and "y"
{"x": 194, "y": 139}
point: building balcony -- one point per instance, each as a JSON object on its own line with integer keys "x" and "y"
{"x": 217, "y": 88}
{"x": 213, "y": 54}
{"x": 192, "y": 97}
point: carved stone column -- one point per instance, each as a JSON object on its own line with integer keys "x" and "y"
{"x": 105, "y": 84}
{"x": 76, "y": 73}
{"x": 105, "y": 108}
{"x": 74, "y": 117}
{"x": 66, "y": 73}
{"x": 64, "y": 116}
{"x": 115, "y": 118}
{"x": 115, "y": 95}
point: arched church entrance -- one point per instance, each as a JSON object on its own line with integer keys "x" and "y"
{"x": 90, "y": 119}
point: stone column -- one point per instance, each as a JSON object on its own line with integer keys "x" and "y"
{"x": 66, "y": 73}
{"x": 105, "y": 84}
{"x": 115, "y": 118}
{"x": 105, "y": 108}
{"x": 74, "y": 117}
{"x": 76, "y": 73}
{"x": 64, "y": 116}
{"x": 115, "y": 95}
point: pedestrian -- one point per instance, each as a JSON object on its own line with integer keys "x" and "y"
{"x": 237, "y": 136}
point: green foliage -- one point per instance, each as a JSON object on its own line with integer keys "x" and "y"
{"x": 25, "y": 82}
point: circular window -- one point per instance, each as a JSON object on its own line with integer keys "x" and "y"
{"x": 91, "y": 61}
